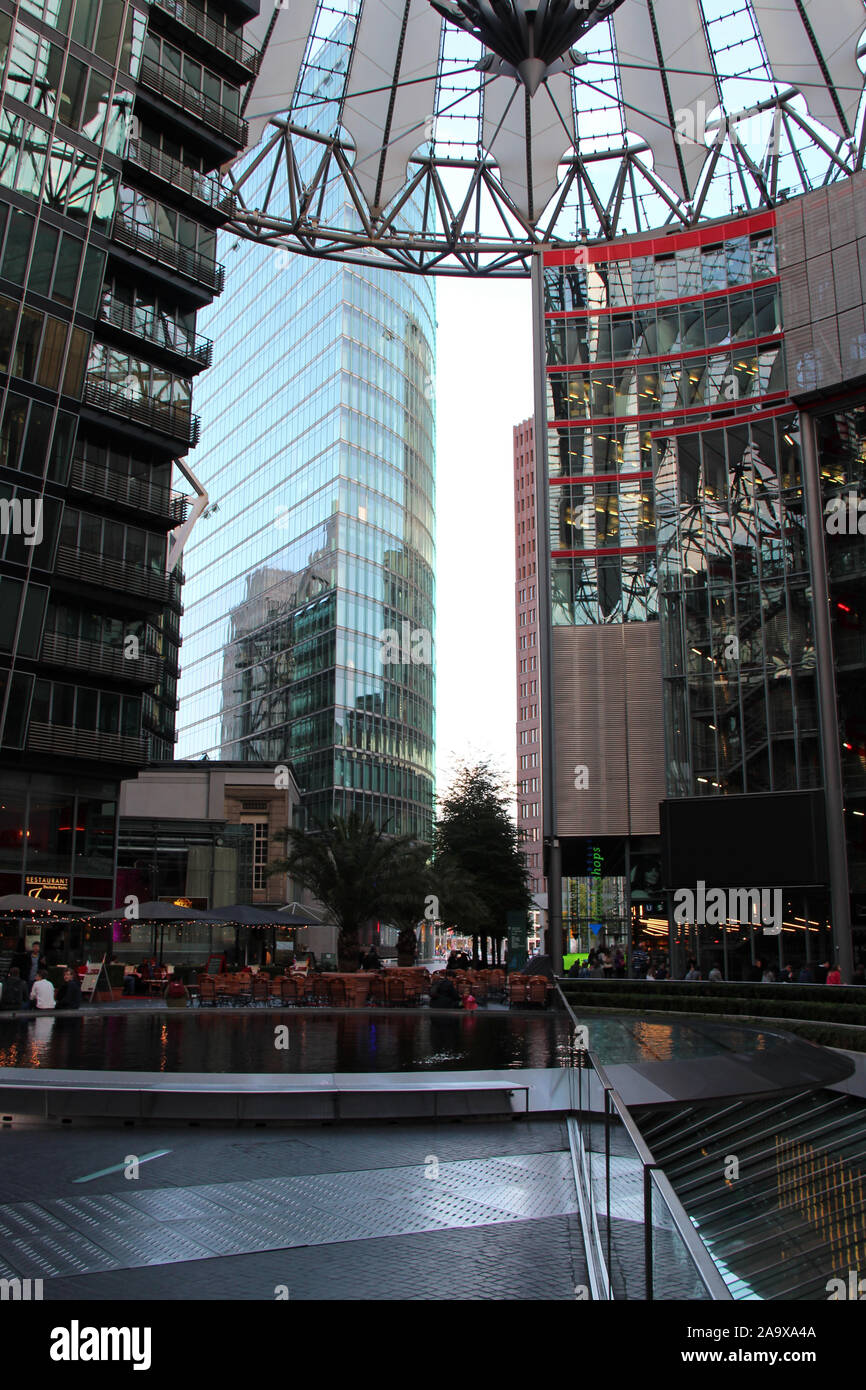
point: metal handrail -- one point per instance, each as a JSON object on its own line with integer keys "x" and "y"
{"x": 227, "y": 42}
{"x": 184, "y": 95}
{"x": 156, "y": 328}
{"x": 148, "y": 242}
{"x": 202, "y": 187}
{"x": 705, "y": 1266}
{"x": 87, "y": 476}
{"x": 166, "y": 418}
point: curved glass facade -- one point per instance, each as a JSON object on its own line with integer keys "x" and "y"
{"x": 310, "y": 590}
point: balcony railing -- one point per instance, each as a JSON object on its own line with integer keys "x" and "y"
{"x": 86, "y": 743}
{"x": 183, "y": 95}
{"x": 80, "y": 655}
{"x": 232, "y": 45}
{"x": 168, "y": 419}
{"x": 201, "y": 187}
{"x": 117, "y": 575}
{"x": 100, "y": 481}
{"x": 156, "y": 328}
{"x": 166, "y": 251}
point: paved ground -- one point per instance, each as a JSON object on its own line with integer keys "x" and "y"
{"x": 476, "y": 1211}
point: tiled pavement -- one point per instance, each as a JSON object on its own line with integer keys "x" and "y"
{"x": 479, "y": 1211}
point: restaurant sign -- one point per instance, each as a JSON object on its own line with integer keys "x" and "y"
{"x": 52, "y": 888}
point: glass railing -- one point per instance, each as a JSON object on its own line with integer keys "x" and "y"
{"x": 640, "y": 1243}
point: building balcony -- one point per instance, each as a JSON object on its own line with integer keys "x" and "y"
{"x": 79, "y": 655}
{"x": 164, "y": 418}
{"x": 238, "y": 55}
{"x": 141, "y": 496}
{"x": 145, "y": 241}
{"x": 148, "y": 586}
{"x": 157, "y": 330}
{"x": 206, "y": 192}
{"x": 155, "y": 78}
{"x": 86, "y": 743}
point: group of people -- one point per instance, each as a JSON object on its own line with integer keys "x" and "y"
{"x": 137, "y": 980}
{"x": 30, "y": 987}
{"x": 458, "y": 960}
{"x": 601, "y": 963}
{"x": 763, "y": 973}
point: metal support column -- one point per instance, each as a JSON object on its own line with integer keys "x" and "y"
{"x": 545, "y": 626}
{"x": 833, "y": 791}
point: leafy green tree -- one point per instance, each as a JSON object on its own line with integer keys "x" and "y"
{"x": 358, "y": 872}
{"x": 478, "y": 845}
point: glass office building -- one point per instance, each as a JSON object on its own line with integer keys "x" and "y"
{"x": 310, "y": 589}
{"x": 678, "y": 514}
{"x": 113, "y": 118}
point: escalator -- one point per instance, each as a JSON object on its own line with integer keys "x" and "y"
{"x": 776, "y": 1188}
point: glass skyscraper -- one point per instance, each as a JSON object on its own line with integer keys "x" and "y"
{"x": 310, "y": 590}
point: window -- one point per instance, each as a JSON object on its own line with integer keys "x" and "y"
{"x": 260, "y": 848}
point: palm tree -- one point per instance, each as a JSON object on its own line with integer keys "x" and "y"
{"x": 358, "y": 872}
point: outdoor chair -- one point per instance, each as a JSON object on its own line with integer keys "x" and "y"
{"x": 376, "y": 993}
{"x": 537, "y": 991}
{"x": 517, "y": 990}
{"x": 207, "y": 991}
{"x": 225, "y": 994}
{"x": 335, "y": 993}
{"x": 290, "y": 991}
{"x": 261, "y": 991}
{"x": 395, "y": 991}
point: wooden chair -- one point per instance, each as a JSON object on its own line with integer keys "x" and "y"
{"x": 335, "y": 993}
{"x": 207, "y": 991}
{"x": 261, "y": 991}
{"x": 376, "y": 995}
{"x": 395, "y": 991}
{"x": 290, "y": 990}
{"x": 537, "y": 992}
{"x": 517, "y": 990}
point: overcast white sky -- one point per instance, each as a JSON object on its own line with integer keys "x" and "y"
{"x": 483, "y": 388}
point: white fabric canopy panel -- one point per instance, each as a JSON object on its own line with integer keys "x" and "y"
{"x": 665, "y": 68}
{"x": 391, "y": 93}
{"x": 796, "y": 55}
{"x": 644, "y": 80}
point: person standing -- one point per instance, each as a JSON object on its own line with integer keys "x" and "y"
{"x": 42, "y": 993}
{"x": 35, "y": 963}
{"x": 834, "y": 976}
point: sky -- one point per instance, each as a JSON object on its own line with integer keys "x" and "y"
{"x": 483, "y": 389}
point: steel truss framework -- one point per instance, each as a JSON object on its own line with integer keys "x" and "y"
{"x": 458, "y": 211}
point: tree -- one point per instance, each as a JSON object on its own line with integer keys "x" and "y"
{"x": 357, "y": 871}
{"x": 478, "y": 844}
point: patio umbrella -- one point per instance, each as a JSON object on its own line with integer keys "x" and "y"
{"x": 158, "y": 914}
{"x": 298, "y": 915}
{"x": 16, "y": 904}
{"x": 243, "y": 915}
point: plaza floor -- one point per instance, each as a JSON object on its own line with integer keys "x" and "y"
{"x": 426, "y": 1212}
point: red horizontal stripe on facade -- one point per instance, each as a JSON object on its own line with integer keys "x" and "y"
{"x": 718, "y": 424}
{"x": 653, "y": 244}
{"x": 608, "y": 550}
{"x": 664, "y": 303}
{"x": 717, "y": 350}
{"x": 748, "y": 403}
{"x": 600, "y": 478}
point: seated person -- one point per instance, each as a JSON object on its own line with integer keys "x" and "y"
{"x": 13, "y": 990}
{"x": 42, "y": 993}
{"x": 132, "y": 980}
{"x": 444, "y": 994}
{"x": 69, "y": 993}
{"x": 371, "y": 960}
